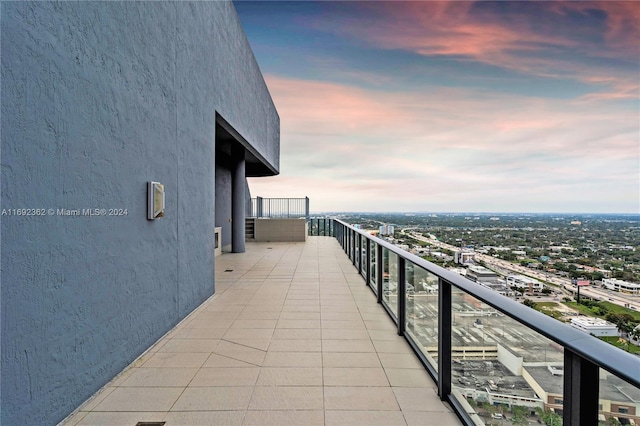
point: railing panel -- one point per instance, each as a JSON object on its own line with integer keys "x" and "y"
{"x": 618, "y": 401}
{"x": 390, "y": 282}
{"x": 372, "y": 266}
{"x": 422, "y": 311}
{"x": 502, "y": 368}
{"x": 363, "y": 256}
{"x": 279, "y": 207}
{"x": 357, "y": 251}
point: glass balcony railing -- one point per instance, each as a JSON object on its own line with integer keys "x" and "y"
{"x": 493, "y": 359}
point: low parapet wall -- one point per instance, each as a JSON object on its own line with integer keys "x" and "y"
{"x": 280, "y": 230}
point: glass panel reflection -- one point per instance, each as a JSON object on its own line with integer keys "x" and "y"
{"x": 618, "y": 401}
{"x": 390, "y": 280}
{"x": 372, "y": 267}
{"x": 422, "y": 311}
{"x": 363, "y": 255}
{"x": 502, "y": 370}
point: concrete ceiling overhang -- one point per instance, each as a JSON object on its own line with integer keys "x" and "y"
{"x": 227, "y": 139}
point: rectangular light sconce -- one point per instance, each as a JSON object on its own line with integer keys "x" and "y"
{"x": 155, "y": 200}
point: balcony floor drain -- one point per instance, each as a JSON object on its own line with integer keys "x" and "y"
{"x": 150, "y": 423}
{"x": 228, "y": 270}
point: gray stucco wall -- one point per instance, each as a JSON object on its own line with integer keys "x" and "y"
{"x": 97, "y": 99}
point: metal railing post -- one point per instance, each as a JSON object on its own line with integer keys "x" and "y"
{"x": 353, "y": 247}
{"x": 581, "y": 386}
{"x": 368, "y": 261}
{"x": 444, "y": 339}
{"x": 359, "y": 252}
{"x": 258, "y": 206}
{"x": 379, "y": 269}
{"x": 402, "y": 295}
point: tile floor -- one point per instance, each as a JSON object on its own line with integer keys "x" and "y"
{"x": 292, "y": 337}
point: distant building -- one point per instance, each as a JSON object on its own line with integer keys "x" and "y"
{"x": 621, "y": 286}
{"x": 617, "y": 398}
{"x": 464, "y": 257}
{"x": 386, "y": 229}
{"x": 595, "y": 326}
{"x": 498, "y": 287}
{"x": 481, "y": 274}
{"x": 524, "y": 283}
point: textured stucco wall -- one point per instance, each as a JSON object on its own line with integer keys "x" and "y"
{"x": 97, "y": 99}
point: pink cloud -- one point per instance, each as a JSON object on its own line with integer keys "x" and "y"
{"x": 350, "y": 149}
{"x": 516, "y": 40}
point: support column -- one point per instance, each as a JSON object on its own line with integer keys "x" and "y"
{"x": 238, "y": 190}
{"x": 581, "y": 390}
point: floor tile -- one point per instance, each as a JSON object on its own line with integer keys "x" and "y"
{"x": 290, "y": 376}
{"x": 347, "y": 346}
{"x": 261, "y": 344}
{"x": 421, "y": 418}
{"x": 360, "y": 399}
{"x": 254, "y": 323}
{"x": 300, "y": 345}
{"x": 140, "y": 399}
{"x": 419, "y": 399}
{"x": 293, "y": 359}
{"x": 97, "y": 418}
{"x": 178, "y": 360}
{"x": 354, "y": 377}
{"x": 216, "y": 360}
{"x": 368, "y": 418}
{"x": 297, "y": 323}
{"x": 240, "y": 352}
{"x": 160, "y": 377}
{"x": 248, "y": 333}
{"x": 393, "y": 347}
{"x": 287, "y": 398}
{"x": 344, "y": 359}
{"x": 221, "y": 376}
{"x": 300, "y": 316}
{"x": 390, "y": 360}
{"x": 213, "y": 398}
{"x": 203, "y": 418}
{"x": 284, "y": 418}
{"x": 408, "y": 377}
{"x": 344, "y": 334}
{"x": 294, "y": 334}
{"x": 189, "y": 345}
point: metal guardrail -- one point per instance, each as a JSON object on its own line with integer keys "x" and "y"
{"x": 279, "y": 207}
{"x": 583, "y": 354}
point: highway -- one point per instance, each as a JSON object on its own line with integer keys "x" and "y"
{"x": 629, "y": 301}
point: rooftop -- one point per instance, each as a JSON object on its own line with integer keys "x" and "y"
{"x": 292, "y": 336}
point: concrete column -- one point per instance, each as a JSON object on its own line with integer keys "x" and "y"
{"x": 238, "y": 189}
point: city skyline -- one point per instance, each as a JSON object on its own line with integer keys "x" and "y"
{"x": 453, "y": 106}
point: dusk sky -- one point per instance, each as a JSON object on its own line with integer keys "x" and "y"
{"x": 453, "y": 106}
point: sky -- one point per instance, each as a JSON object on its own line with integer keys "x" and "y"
{"x": 426, "y": 106}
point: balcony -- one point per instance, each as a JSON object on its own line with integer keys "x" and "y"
{"x": 299, "y": 333}
{"x": 292, "y": 336}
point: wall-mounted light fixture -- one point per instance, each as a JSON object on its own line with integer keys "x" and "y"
{"x": 155, "y": 200}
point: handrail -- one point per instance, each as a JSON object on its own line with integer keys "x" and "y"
{"x": 278, "y": 207}
{"x": 616, "y": 361}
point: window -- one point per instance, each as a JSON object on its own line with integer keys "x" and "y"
{"x": 623, "y": 410}
{"x": 557, "y": 401}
